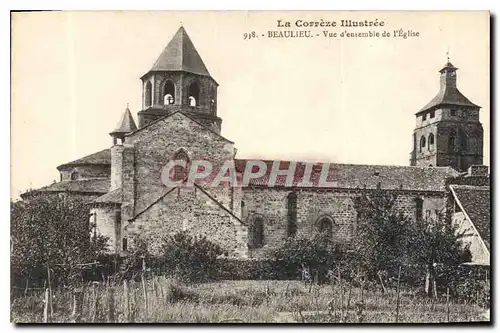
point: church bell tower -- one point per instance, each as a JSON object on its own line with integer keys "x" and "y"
{"x": 179, "y": 81}
{"x": 448, "y": 131}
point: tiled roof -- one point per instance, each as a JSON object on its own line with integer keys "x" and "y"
{"x": 475, "y": 200}
{"x": 354, "y": 176}
{"x": 94, "y": 185}
{"x": 180, "y": 55}
{"x": 101, "y": 157}
{"x": 114, "y": 197}
{"x": 449, "y": 96}
{"x": 126, "y": 123}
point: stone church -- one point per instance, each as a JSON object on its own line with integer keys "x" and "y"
{"x": 179, "y": 121}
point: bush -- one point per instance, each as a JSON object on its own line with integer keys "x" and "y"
{"x": 319, "y": 254}
{"x": 190, "y": 258}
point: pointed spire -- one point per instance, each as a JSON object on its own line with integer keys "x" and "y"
{"x": 126, "y": 123}
{"x": 180, "y": 55}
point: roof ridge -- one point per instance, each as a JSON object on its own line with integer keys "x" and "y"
{"x": 185, "y": 115}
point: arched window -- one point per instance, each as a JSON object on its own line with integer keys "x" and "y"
{"x": 292, "y": 214}
{"x": 194, "y": 94}
{"x": 462, "y": 141}
{"x": 169, "y": 93}
{"x": 325, "y": 225}
{"x": 256, "y": 230}
{"x": 75, "y": 176}
{"x": 180, "y": 172}
{"x": 452, "y": 141}
{"x": 422, "y": 142}
{"x": 431, "y": 141}
{"x": 148, "y": 94}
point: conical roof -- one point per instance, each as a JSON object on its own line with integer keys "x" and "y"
{"x": 180, "y": 55}
{"x": 126, "y": 123}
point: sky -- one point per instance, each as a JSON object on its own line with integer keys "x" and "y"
{"x": 343, "y": 100}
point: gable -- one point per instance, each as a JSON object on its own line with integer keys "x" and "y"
{"x": 155, "y": 144}
{"x": 475, "y": 203}
{"x": 190, "y": 209}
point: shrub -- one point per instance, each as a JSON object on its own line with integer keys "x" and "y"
{"x": 190, "y": 258}
{"x": 318, "y": 254}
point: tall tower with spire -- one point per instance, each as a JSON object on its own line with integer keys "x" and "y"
{"x": 448, "y": 131}
{"x": 180, "y": 81}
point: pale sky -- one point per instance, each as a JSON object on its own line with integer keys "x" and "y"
{"x": 328, "y": 99}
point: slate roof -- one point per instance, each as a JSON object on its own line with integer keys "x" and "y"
{"x": 475, "y": 201}
{"x": 354, "y": 176}
{"x": 180, "y": 55}
{"x": 90, "y": 186}
{"x": 102, "y": 157}
{"x": 114, "y": 197}
{"x": 126, "y": 123}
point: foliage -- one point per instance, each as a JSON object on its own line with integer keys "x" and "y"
{"x": 191, "y": 258}
{"x": 387, "y": 239}
{"x": 383, "y": 234}
{"x": 318, "y": 253}
{"x": 52, "y": 232}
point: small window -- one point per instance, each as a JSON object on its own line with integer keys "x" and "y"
{"x": 257, "y": 233}
{"x": 453, "y": 112}
{"x": 325, "y": 225}
{"x": 148, "y": 94}
{"x": 75, "y": 176}
{"x": 180, "y": 172}
{"x": 419, "y": 207}
{"x": 432, "y": 114}
{"x": 292, "y": 214}
{"x": 422, "y": 142}
{"x": 424, "y": 116}
{"x": 124, "y": 244}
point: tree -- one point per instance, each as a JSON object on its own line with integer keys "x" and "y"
{"x": 52, "y": 232}
{"x": 437, "y": 249}
{"x": 383, "y": 234}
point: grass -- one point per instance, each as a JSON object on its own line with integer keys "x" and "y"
{"x": 169, "y": 300}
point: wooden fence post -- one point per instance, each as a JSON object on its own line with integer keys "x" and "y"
{"x": 448, "y": 304}
{"x": 46, "y": 306}
{"x": 77, "y": 306}
{"x": 397, "y": 296}
{"x": 127, "y": 300}
{"x": 144, "y": 289}
{"x": 95, "y": 313}
{"x": 111, "y": 304}
{"x": 50, "y": 291}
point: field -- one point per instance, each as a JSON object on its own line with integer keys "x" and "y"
{"x": 165, "y": 300}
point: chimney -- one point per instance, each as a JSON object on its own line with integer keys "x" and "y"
{"x": 477, "y": 171}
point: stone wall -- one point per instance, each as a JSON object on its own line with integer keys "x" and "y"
{"x": 106, "y": 223}
{"x": 85, "y": 171}
{"x": 189, "y": 208}
{"x": 479, "y": 253}
{"x": 271, "y": 205}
